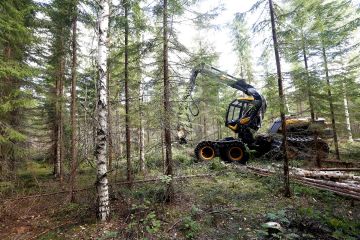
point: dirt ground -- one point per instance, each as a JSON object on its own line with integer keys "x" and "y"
{"x": 232, "y": 203}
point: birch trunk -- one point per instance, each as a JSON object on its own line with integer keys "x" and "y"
{"x": 347, "y": 114}
{"x": 282, "y": 102}
{"x": 103, "y": 210}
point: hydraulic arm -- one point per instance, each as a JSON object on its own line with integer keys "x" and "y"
{"x": 242, "y": 112}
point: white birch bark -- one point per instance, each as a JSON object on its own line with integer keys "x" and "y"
{"x": 347, "y": 114}
{"x": 103, "y": 210}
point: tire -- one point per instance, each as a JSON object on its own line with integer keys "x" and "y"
{"x": 237, "y": 153}
{"x": 205, "y": 151}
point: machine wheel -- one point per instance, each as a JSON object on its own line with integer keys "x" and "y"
{"x": 205, "y": 151}
{"x": 237, "y": 153}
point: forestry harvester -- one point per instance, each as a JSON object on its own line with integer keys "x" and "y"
{"x": 244, "y": 117}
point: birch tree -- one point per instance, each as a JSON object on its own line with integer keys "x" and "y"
{"x": 103, "y": 210}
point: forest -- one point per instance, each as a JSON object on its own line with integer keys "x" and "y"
{"x": 179, "y": 119}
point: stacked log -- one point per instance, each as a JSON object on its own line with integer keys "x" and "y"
{"x": 339, "y": 182}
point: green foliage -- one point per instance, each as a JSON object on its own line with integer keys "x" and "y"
{"x": 242, "y": 46}
{"x": 152, "y": 224}
{"x": 182, "y": 158}
{"x": 16, "y": 73}
{"x": 341, "y": 228}
{"x": 189, "y": 227}
{"x": 144, "y": 222}
{"x": 279, "y": 216}
{"x": 217, "y": 165}
{"x": 109, "y": 235}
{"x": 151, "y": 194}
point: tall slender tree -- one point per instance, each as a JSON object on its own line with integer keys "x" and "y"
{"x": 282, "y": 101}
{"x": 167, "y": 108}
{"x": 127, "y": 102}
{"x": 242, "y": 46}
{"x": 60, "y": 15}
{"x": 103, "y": 210}
{"x": 74, "y": 140}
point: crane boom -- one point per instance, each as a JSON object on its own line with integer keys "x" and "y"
{"x": 243, "y": 114}
{"x": 225, "y": 79}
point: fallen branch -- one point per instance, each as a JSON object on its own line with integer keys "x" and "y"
{"x": 51, "y": 229}
{"x": 48, "y": 194}
{"x": 176, "y": 223}
{"x": 115, "y": 183}
{"x": 160, "y": 179}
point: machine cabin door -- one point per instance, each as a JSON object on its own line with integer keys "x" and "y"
{"x": 236, "y": 111}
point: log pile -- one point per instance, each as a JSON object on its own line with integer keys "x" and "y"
{"x": 339, "y": 182}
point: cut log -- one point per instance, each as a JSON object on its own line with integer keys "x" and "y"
{"x": 348, "y": 189}
{"x": 339, "y": 185}
{"x": 322, "y": 187}
{"x": 336, "y": 169}
{"x": 320, "y": 174}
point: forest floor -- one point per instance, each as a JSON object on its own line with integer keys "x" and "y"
{"x": 229, "y": 203}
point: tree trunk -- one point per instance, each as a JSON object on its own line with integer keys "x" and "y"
{"x": 110, "y": 141}
{"x": 141, "y": 134}
{"x": 347, "y": 114}
{"x": 333, "y": 123}
{"x": 167, "y": 110}
{"x": 61, "y": 120}
{"x": 308, "y": 85}
{"x": 60, "y": 75}
{"x": 56, "y": 127}
{"x": 103, "y": 210}
{"x": 126, "y": 72}
{"x": 282, "y": 102}
{"x": 118, "y": 134}
{"x": 74, "y": 147}
{"x": 163, "y": 151}
{"x": 110, "y": 135}
{"x": 86, "y": 127}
